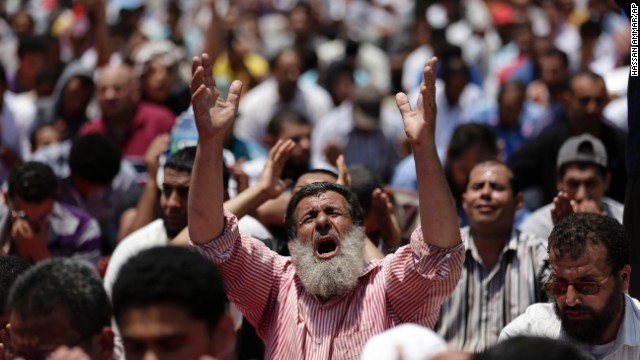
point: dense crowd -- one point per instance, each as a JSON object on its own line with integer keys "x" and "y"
{"x": 435, "y": 180}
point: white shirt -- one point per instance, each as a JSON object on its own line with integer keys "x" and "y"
{"x": 541, "y": 320}
{"x": 540, "y": 223}
{"x": 262, "y": 102}
{"x": 18, "y": 120}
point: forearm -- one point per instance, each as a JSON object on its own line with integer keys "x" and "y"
{"x": 206, "y": 194}
{"x": 438, "y": 216}
{"x": 246, "y": 202}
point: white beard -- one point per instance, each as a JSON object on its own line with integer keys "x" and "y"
{"x": 332, "y": 277}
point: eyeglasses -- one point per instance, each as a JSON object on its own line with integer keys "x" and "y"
{"x": 583, "y": 287}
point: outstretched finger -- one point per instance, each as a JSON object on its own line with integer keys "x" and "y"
{"x": 195, "y": 63}
{"x": 344, "y": 176}
{"x": 234, "y": 93}
{"x": 402, "y": 101}
{"x": 207, "y": 65}
{"x": 428, "y": 86}
{"x": 196, "y": 79}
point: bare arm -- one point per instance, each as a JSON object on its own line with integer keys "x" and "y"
{"x": 214, "y": 118}
{"x": 437, "y": 210}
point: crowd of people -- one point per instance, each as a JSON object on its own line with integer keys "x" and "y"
{"x": 319, "y": 179}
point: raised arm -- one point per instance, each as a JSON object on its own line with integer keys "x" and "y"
{"x": 214, "y": 118}
{"x": 437, "y": 210}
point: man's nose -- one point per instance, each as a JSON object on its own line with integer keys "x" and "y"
{"x": 581, "y": 193}
{"x": 572, "y": 297}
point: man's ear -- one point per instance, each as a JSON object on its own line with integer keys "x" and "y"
{"x": 5, "y": 196}
{"x": 223, "y": 337}
{"x": 625, "y": 276}
{"x": 519, "y": 201}
{"x": 103, "y": 344}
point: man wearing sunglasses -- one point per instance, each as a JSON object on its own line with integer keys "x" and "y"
{"x": 589, "y": 256}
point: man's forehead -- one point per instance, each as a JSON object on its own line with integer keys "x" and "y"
{"x": 323, "y": 199}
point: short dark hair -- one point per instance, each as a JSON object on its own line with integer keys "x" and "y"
{"x": 285, "y": 116}
{"x": 33, "y": 44}
{"x": 588, "y": 74}
{"x": 573, "y": 233}
{"x": 467, "y": 135}
{"x": 174, "y": 276}
{"x": 582, "y": 165}
{"x": 3, "y": 75}
{"x": 363, "y": 181}
{"x": 94, "y": 158}
{"x": 33, "y": 181}
{"x": 182, "y": 160}
{"x": 531, "y": 348}
{"x": 67, "y": 284}
{"x": 315, "y": 189}
{"x": 10, "y": 268}
{"x": 555, "y": 52}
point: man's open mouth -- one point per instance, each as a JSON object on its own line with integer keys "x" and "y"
{"x": 326, "y": 247}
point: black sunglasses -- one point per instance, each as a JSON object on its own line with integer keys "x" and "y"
{"x": 583, "y": 287}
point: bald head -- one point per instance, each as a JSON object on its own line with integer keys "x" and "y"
{"x": 118, "y": 94}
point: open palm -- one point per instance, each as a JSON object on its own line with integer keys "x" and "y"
{"x": 420, "y": 122}
{"x": 214, "y": 115}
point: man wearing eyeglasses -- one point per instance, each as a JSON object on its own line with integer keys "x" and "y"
{"x": 590, "y": 270}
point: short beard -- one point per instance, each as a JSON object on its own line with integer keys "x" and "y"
{"x": 332, "y": 277}
{"x": 589, "y": 331}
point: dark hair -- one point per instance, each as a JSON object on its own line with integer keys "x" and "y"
{"x": 182, "y": 160}
{"x": 274, "y": 60}
{"x": 3, "y": 75}
{"x": 555, "y": 52}
{"x": 531, "y": 348}
{"x": 67, "y": 284}
{"x": 94, "y": 158}
{"x": 285, "y": 116}
{"x": 10, "y": 268}
{"x": 572, "y": 234}
{"x": 467, "y": 135}
{"x": 363, "y": 181}
{"x": 588, "y": 74}
{"x": 516, "y": 186}
{"x": 33, "y": 44}
{"x": 511, "y": 86}
{"x": 33, "y": 181}
{"x": 582, "y": 165}
{"x": 174, "y": 276}
{"x": 315, "y": 189}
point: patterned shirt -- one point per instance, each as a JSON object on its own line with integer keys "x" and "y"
{"x": 486, "y": 300}
{"x": 408, "y": 286}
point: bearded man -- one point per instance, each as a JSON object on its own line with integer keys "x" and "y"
{"x": 325, "y": 301}
{"x": 590, "y": 271}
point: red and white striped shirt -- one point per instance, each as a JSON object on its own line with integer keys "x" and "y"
{"x": 405, "y": 287}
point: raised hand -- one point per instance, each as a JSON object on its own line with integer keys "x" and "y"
{"x": 385, "y": 218}
{"x": 344, "y": 176}
{"x": 214, "y": 115}
{"x": 269, "y": 180}
{"x": 420, "y": 122}
{"x": 562, "y": 207}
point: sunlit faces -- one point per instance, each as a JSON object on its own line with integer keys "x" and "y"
{"x": 323, "y": 220}
{"x": 173, "y": 200}
{"x": 117, "y": 92}
{"x": 157, "y": 81}
{"x": 586, "y": 102}
{"x": 301, "y": 135}
{"x": 595, "y": 318}
{"x": 489, "y": 199}
{"x": 164, "y": 332}
{"x": 583, "y": 182}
